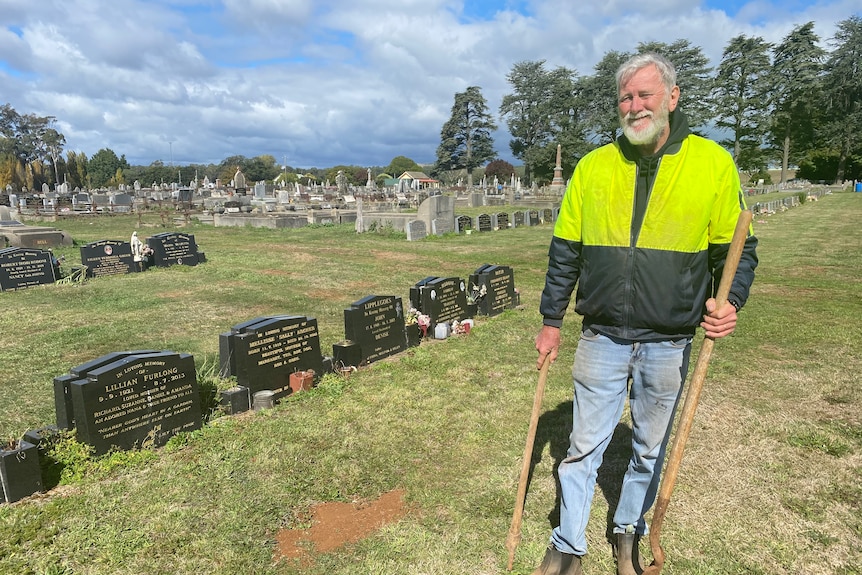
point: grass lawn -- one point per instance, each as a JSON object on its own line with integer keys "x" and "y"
{"x": 769, "y": 483}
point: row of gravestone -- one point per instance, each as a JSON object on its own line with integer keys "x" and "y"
{"x": 416, "y": 229}
{"x": 131, "y": 399}
{"x": 26, "y": 267}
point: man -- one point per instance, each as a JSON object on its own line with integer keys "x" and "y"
{"x": 643, "y": 230}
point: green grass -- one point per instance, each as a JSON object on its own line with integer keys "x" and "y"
{"x": 769, "y": 483}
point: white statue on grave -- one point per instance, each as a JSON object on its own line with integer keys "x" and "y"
{"x": 137, "y": 248}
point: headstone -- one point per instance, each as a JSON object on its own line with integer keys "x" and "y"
{"x": 463, "y": 223}
{"x": 483, "y": 223}
{"x": 500, "y": 221}
{"x": 444, "y": 300}
{"x": 494, "y": 289}
{"x": 121, "y": 202}
{"x": 134, "y": 399}
{"x": 263, "y": 352}
{"x": 533, "y": 218}
{"x": 548, "y": 216}
{"x": 416, "y": 291}
{"x": 415, "y": 230}
{"x": 171, "y": 248}
{"x": 438, "y": 213}
{"x": 25, "y": 267}
{"x": 518, "y": 219}
{"x": 376, "y": 323}
{"x": 107, "y": 257}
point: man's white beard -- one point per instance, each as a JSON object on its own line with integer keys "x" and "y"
{"x": 650, "y": 133}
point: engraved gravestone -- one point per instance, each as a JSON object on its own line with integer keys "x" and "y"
{"x": 25, "y": 267}
{"x": 137, "y": 400}
{"x": 548, "y": 216}
{"x": 533, "y": 218}
{"x": 416, "y": 230}
{"x": 518, "y": 219}
{"x": 483, "y": 223}
{"x": 376, "y": 324}
{"x": 501, "y": 221}
{"x": 463, "y": 223}
{"x": 262, "y": 353}
{"x": 107, "y": 257}
{"x": 172, "y": 248}
{"x": 444, "y": 300}
{"x": 497, "y": 284}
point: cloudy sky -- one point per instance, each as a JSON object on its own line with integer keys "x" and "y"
{"x": 317, "y": 83}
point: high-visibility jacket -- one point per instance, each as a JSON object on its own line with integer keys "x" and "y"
{"x": 646, "y": 276}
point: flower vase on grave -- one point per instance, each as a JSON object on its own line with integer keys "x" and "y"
{"x": 20, "y": 473}
{"x": 301, "y": 380}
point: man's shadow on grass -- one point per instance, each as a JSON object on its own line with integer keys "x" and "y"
{"x": 554, "y": 428}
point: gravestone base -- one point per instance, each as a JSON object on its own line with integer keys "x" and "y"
{"x": 346, "y": 354}
{"x": 235, "y": 400}
{"x": 20, "y": 473}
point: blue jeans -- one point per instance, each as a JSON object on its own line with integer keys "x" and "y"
{"x": 602, "y": 370}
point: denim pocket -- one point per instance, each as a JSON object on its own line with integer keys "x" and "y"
{"x": 590, "y": 334}
{"x": 680, "y": 343}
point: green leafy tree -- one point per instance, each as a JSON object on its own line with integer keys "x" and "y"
{"x": 796, "y": 91}
{"x": 465, "y": 140}
{"x": 76, "y": 170}
{"x": 843, "y": 95}
{"x": 600, "y": 91}
{"x": 693, "y": 76}
{"x": 401, "y": 164}
{"x": 102, "y": 167}
{"x": 542, "y": 104}
{"x": 742, "y": 87}
{"x": 261, "y": 168}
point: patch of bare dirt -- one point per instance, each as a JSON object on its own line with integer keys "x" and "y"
{"x": 337, "y": 524}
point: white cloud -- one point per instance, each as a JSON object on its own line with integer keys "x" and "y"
{"x": 322, "y": 82}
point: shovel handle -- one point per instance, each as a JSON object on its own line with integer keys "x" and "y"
{"x": 692, "y": 397}
{"x": 514, "y": 535}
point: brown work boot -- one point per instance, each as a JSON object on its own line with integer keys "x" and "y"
{"x": 559, "y": 563}
{"x": 627, "y": 554}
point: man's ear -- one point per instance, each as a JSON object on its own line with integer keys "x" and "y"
{"x": 674, "y": 99}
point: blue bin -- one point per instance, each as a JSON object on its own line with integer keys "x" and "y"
{"x": 859, "y": 186}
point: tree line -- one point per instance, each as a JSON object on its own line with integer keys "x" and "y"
{"x": 790, "y": 104}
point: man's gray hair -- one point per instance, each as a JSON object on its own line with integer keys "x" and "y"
{"x": 628, "y": 68}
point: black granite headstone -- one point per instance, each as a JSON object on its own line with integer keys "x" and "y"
{"x": 463, "y": 223}
{"x": 495, "y": 287}
{"x": 139, "y": 400}
{"x": 376, "y": 323}
{"x": 108, "y": 257}
{"x": 444, "y": 300}
{"x": 533, "y": 218}
{"x": 483, "y": 222}
{"x": 416, "y": 292}
{"x": 265, "y": 351}
{"x": 502, "y": 222}
{"x": 25, "y": 267}
{"x": 518, "y": 219}
{"x": 174, "y": 248}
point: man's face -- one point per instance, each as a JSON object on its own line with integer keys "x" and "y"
{"x": 644, "y": 108}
